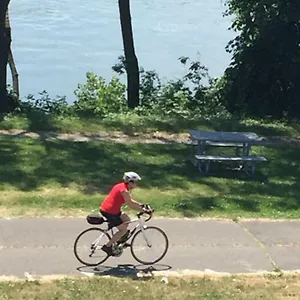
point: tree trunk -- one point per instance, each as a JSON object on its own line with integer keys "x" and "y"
{"x": 131, "y": 61}
{"x": 13, "y": 69}
{"x": 4, "y": 50}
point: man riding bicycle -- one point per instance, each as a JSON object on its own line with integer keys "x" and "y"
{"x": 110, "y": 208}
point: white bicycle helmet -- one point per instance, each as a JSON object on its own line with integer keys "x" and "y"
{"x": 128, "y": 176}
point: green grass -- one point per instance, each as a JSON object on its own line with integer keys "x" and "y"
{"x": 133, "y": 123}
{"x": 42, "y": 177}
{"x": 205, "y": 288}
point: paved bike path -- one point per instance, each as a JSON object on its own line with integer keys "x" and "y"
{"x": 44, "y": 246}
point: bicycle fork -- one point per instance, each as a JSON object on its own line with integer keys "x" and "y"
{"x": 144, "y": 235}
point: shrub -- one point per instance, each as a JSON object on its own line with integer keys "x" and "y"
{"x": 44, "y": 104}
{"x": 96, "y": 98}
{"x": 186, "y": 98}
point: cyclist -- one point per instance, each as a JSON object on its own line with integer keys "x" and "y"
{"x": 110, "y": 208}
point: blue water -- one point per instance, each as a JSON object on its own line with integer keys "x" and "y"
{"x": 56, "y": 42}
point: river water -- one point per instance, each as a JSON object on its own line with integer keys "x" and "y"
{"x": 56, "y": 42}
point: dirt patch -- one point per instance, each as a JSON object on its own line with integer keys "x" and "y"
{"x": 115, "y": 136}
{"x": 158, "y": 137}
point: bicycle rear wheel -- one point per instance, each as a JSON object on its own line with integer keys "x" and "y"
{"x": 87, "y": 246}
{"x": 149, "y": 245}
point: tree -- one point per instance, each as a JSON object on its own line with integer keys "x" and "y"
{"x": 263, "y": 77}
{"x": 131, "y": 61}
{"x": 11, "y": 62}
{"x": 4, "y": 51}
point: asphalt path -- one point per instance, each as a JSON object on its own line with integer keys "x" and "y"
{"x": 44, "y": 246}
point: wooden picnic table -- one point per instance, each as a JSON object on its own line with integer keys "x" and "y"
{"x": 239, "y": 140}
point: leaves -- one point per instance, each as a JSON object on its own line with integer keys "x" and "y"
{"x": 96, "y": 98}
{"x": 263, "y": 77}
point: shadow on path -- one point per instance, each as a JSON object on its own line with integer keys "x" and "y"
{"x": 125, "y": 270}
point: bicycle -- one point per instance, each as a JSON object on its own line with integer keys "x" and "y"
{"x": 140, "y": 230}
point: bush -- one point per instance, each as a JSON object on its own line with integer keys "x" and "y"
{"x": 186, "y": 98}
{"x": 96, "y": 98}
{"x": 44, "y": 104}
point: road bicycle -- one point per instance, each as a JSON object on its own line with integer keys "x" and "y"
{"x": 140, "y": 235}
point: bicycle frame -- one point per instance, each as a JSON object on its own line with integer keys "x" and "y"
{"x": 141, "y": 225}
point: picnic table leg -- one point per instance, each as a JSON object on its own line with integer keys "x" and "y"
{"x": 248, "y": 147}
{"x": 246, "y": 150}
{"x": 203, "y": 166}
{"x": 242, "y": 165}
{"x": 193, "y": 160}
{"x": 201, "y": 150}
{"x": 253, "y": 168}
{"x": 199, "y": 165}
{"x": 238, "y": 153}
{"x": 207, "y": 166}
{"x": 250, "y": 170}
{"x": 192, "y": 155}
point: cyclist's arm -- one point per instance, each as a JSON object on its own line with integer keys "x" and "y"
{"x": 130, "y": 202}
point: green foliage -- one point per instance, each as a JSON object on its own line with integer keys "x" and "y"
{"x": 261, "y": 81}
{"x": 263, "y": 78}
{"x": 186, "y": 98}
{"x": 46, "y": 105}
{"x": 13, "y": 101}
{"x": 96, "y": 98}
{"x": 150, "y": 86}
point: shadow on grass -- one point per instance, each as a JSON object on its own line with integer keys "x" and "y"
{"x": 177, "y": 125}
{"x": 238, "y": 125}
{"x": 27, "y": 164}
{"x": 38, "y": 121}
{"x": 275, "y": 189}
{"x": 194, "y": 205}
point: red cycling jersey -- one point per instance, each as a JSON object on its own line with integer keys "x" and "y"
{"x": 114, "y": 200}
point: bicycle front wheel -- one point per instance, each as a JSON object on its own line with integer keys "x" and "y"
{"x": 87, "y": 246}
{"x": 149, "y": 245}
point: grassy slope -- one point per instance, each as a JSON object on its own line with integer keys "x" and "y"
{"x": 60, "y": 177}
{"x": 131, "y": 124}
{"x": 228, "y": 288}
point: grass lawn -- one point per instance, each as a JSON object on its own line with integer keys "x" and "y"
{"x": 52, "y": 177}
{"x": 225, "y": 288}
{"x": 133, "y": 123}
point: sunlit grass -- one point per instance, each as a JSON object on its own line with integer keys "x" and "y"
{"x": 204, "y": 288}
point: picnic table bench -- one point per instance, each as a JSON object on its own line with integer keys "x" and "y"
{"x": 241, "y": 141}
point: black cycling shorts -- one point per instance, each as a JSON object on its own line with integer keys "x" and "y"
{"x": 113, "y": 220}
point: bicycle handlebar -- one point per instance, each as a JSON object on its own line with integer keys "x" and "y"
{"x": 145, "y": 212}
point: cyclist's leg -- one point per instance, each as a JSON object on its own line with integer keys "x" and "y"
{"x": 114, "y": 221}
{"x": 121, "y": 222}
{"x": 125, "y": 218}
